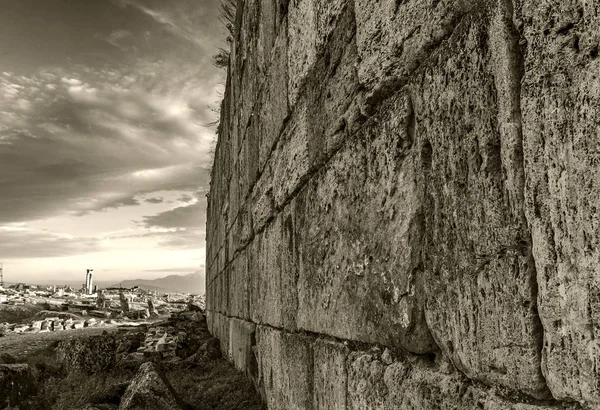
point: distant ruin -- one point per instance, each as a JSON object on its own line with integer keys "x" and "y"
{"x": 89, "y": 281}
{"x": 403, "y": 206}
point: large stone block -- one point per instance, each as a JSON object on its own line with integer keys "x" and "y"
{"x": 221, "y": 332}
{"x": 382, "y": 382}
{"x": 480, "y": 275}
{"x": 561, "y": 101}
{"x": 234, "y": 196}
{"x": 273, "y": 108}
{"x": 310, "y": 24}
{"x": 262, "y": 203}
{"x": 242, "y": 340}
{"x": 332, "y": 87}
{"x": 330, "y": 375}
{"x": 267, "y": 32}
{"x": 249, "y": 65}
{"x": 395, "y": 37}
{"x": 285, "y": 369}
{"x": 239, "y": 287}
{"x": 273, "y": 271}
{"x": 359, "y": 226}
{"x": 292, "y": 165}
{"x": 302, "y": 35}
{"x": 366, "y": 384}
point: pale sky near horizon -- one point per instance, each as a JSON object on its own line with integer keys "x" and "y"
{"x": 104, "y": 152}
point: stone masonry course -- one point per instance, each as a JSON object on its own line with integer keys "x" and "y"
{"x": 403, "y": 204}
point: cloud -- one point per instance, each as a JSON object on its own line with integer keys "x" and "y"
{"x": 188, "y": 239}
{"x": 81, "y": 147}
{"x": 184, "y": 19}
{"x": 118, "y": 39}
{"x": 183, "y": 217}
{"x": 70, "y": 81}
{"x": 105, "y": 205}
{"x": 24, "y": 243}
{"x": 183, "y": 227}
{"x": 186, "y": 198}
{"x": 158, "y": 200}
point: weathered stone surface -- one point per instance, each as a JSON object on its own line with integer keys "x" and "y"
{"x": 394, "y": 38}
{"x": 302, "y": 35}
{"x": 242, "y": 336}
{"x": 239, "y": 292}
{"x": 285, "y": 369}
{"x": 330, "y": 375}
{"x": 418, "y": 175}
{"x": 366, "y": 385}
{"x": 561, "y": 101}
{"x": 273, "y": 272}
{"x": 150, "y": 390}
{"x": 310, "y": 23}
{"x": 220, "y": 328}
{"x": 359, "y": 226}
{"x": 17, "y": 383}
{"x": 415, "y": 384}
{"x": 480, "y": 275}
{"x": 273, "y": 109}
{"x": 292, "y": 161}
{"x": 90, "y": 355}
{"x": 262, "y": 204}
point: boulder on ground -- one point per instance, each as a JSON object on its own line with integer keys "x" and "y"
{"x": 37, "y": 325}
{"x": 196, "y": 306}
{"x": 209, "y": 350}
{"x": 17, "y": 383}
{"x": 89, "y": 355}
{"x": 197, "y": 317}
{"x": 150, "y": 390}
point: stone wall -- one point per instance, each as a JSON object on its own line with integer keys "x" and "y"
{"x": 403, "y": 207}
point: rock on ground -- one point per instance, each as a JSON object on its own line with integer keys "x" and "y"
{"x": 91, "y": 355}
{"x": 150, "y": 390}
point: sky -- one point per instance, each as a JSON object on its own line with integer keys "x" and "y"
{"x": 105, "y": 151}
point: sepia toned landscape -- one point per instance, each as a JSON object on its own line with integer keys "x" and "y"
{"x": 300, "y": 204}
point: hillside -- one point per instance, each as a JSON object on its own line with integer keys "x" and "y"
{"x": 192, "y": 283}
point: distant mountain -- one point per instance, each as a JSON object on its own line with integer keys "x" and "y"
{"x": 192, "y": 283}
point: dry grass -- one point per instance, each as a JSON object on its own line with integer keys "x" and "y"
{"x": 211, "y": 384}
{"x": 227, "y": 10}
{"x": 19, "y": 314}
{"x": 214, "y": 385}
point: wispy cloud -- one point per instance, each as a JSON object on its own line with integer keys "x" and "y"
{"x": 26, "y": 243}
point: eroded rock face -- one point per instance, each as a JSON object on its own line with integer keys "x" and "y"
{"x": 561, "y": 99}
{"x": 90, "y": 355}
{"x": 411, "y": 174}
{"x": 480, "y": 275}
{"x": 359, "y": 234}
{"x": 150, "y": 390}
